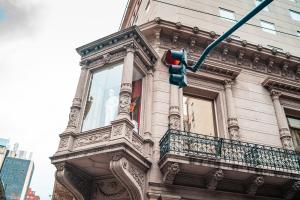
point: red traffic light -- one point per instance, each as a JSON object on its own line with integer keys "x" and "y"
{"x": 170, "y": 60}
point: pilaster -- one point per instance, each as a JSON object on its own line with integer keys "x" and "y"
{"x": 174, "y": 112}
{"x": 233, "y": 127}
{"x": 284, "y": 132}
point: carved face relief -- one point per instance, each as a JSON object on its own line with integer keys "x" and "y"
{"x": 124, "y": 103}
{"x": 174, "y": 122}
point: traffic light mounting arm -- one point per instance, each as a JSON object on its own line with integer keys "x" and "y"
{"x": 247, "y": 17}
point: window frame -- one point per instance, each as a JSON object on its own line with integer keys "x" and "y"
{"x": 210, "y": 90}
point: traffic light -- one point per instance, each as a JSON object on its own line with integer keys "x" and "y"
{"x": 177, "y": 63}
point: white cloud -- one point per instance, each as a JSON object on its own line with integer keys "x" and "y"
{"x": 39, "y": 72}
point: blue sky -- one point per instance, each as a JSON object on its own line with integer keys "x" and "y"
{"x": 39, "y": 70}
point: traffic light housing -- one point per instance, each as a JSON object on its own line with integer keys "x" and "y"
{"x": 177, "y": 63}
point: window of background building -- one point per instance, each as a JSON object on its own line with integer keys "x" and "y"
{"x": 227, "y": 14}
{"x": 294, "y": 124}
{"x": 257, "y": 2}
{"x": 268, "y": 27}
{"x": 199, "y": 115}
{"x": 103, "y": 98}
{"x": 295, "y": 15}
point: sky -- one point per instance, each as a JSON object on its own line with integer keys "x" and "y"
{"x": 39, "y": 70}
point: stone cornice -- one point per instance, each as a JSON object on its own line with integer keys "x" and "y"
{"x": 115, "y": 44}
{"x": 287, "y": 87}
{"x": 236, "y": 53}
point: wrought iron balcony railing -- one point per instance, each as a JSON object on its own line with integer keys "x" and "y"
{"x": 229, "y": 151}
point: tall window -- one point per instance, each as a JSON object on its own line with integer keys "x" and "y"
{"x": 103, "y": 98}
{"x": 257, "y": 2}
{"x": 227, "y": 14}
{"x": 268, "y": 27}
{"x": 294, "y": 124}
{"x": 295, "y": 15}
{"x": 198, "y": 115}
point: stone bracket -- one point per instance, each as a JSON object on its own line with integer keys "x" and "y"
{"x": 253, "y": 184}
{"x": 291, "y": 190}
{"x": 170, "y": 174}
{"x": 76, "y": 181}
{"x": 129, "y": 175}
{"x": 214, "y": 178}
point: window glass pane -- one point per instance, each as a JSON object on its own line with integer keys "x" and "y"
{"x": 294, "y": 123}
{"x": 257, "y": 2}
{"x": 298, "y": 33}
{"x": 227, "y": 14}
{"x": 268, "y": 27}
{"x": 103, "y": 99}
{"x": 198, "y": 116}
{"x": 295, "y": 15}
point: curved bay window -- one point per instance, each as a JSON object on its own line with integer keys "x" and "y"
{"x": 103, "y": 98}
{"x": 198, "y": 115}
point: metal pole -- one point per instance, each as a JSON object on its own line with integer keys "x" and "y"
{"x": 242, "y": 21}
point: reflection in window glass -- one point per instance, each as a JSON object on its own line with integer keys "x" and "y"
{"x": 198, "y": 116}
{"x": 294, "y": 124}
{"x": 227, "y": 14}
{"x": 295, "y": 15}
{"x": 103, "y": 99}
{"x": 268, "y": 27}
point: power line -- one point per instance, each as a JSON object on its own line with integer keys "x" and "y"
{"x": 207, "y": 13}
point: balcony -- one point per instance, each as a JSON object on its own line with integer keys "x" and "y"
{"x": 249, "y": 168}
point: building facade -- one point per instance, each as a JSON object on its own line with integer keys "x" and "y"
{"x": 233, "y": 133}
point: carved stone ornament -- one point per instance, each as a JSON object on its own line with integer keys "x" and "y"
{"x": 240, "y": 59}
{"x": 171, "y": 173}
{"x": 287, "y": 143}
{"x": 174, "y": 122}
{"x": 93, "y": 138}
{"x": 117, "y": 130}
{"x": 109, "y": 189}
{"x": 224, "y": 53}
{"x": 63, "y": 144}
{"x": 130, "y": 176}
{"x": 214, "y": 178}
{"x": 270, "y": 67}
{"x": 297, "y": 74}
{"x": 284, "y": 70}
{"x": 275, "y": 95}
{"x": 255, "y": 61}
{"x": 255, "y": 182}
{"x": 75, "y": 181}
{"x": 195, "y": 29}
{"x": 73, "y": 117}
{"x": 124, "y": 104}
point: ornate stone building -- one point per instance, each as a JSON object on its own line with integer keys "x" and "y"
{"x": 233, "y": 133}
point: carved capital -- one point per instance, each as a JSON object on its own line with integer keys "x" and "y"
{"x": 275, "y": 94}
{"x": 131, "y": 177}
{"x": 77, "y": 182}
{"x": 214, "y": 178}
{"x": 171, "y": 173}
{"x": 254, "y": 183}
{"x": 130, "y": 48}
{"x": 228, "y": 83}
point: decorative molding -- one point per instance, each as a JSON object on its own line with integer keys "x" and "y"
{"x": 241, "y": 55}
{"x": 109, "y": 189}
{"x": 130, "y": 176}
{"x": 170, "y": 174}
{"x": 77, "y": 182}
{"x": 96, "y": 53}
{"x": 214, "y": 178}
{"x": 100, "y": 136}
{"x": 282, "y": 85}
{"x": 254, "y": 183}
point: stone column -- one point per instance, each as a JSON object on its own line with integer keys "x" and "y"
{"x": 122, "y": 127}
{"x": 67, "y": 137}
{"x": 284, "y": 132}
{"x": 233, "y": 127}
{"x": 148, "y": 140}
{"x": 174, "y": 116}
{"x": 73, "y": 124}
{"x": 126, "y": 84}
